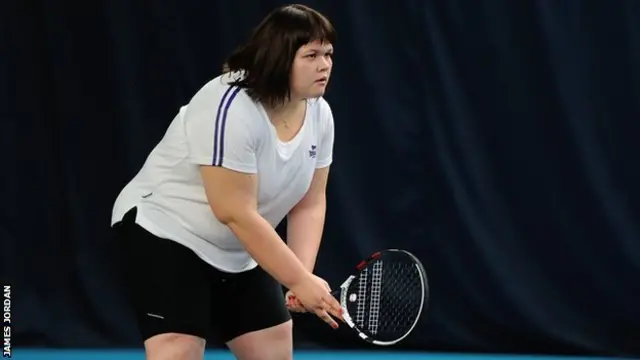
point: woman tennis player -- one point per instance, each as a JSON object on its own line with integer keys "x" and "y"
{"x": 197, "y": 223}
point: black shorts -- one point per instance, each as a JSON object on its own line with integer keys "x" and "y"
{"x": 172, "y": 290}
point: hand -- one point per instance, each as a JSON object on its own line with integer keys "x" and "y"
{"x": 293, "y": 304}
{"x": 314, "y": 294}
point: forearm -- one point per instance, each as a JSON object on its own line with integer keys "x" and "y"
{"x": 264, "y": 244}
{"x": 304, "y": 232}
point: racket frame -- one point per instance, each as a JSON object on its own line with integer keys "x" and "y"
{"x": 344, "y": 297}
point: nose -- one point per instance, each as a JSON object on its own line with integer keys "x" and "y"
{"x": 325, "y": 63}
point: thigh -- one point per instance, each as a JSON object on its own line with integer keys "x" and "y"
{"x": 250, "y": 302}
{"x": 167, "y": 285}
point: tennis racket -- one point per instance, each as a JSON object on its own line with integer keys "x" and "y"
{"x": 384, "y": 298}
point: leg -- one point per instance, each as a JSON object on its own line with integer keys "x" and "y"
{"x": 167, "y": 287}
{"x": 274, "y": 343}
{"x": 253, "y": 319}
{"x": 174, "y": 346}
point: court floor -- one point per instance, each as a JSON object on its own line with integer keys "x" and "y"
{"x": 300, "y": 355}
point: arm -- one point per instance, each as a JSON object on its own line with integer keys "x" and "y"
{"x": 232, "y": 198}
{"x": 222, "y": 141}
{"x": 305, "y": 221}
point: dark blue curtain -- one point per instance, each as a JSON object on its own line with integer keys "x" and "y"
{"x": 497, "y": 140}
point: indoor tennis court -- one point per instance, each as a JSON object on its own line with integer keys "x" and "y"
{"x": 300, "y": 355}
{"x": 153, "y": 147}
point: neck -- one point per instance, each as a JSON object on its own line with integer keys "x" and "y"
{"x": 286, "y": 108}
{"x": 287, "y": 114}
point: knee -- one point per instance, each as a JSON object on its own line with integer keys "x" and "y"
{"x": 282, "y": 332}
{"x": 279, "y": 344}
{"x": 275, "y": 343}
{"x": 175, "y": 347}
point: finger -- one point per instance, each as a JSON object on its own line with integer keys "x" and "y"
{"x": 300, "y": 306}
{"x": 294, "y": 305}
{"x": 297, "y": 309}
{"x": 292, "y": 300}
{"x": 333, "y": 307}
{"x": 326, "y": 318}
{"x": 336, "y": 313}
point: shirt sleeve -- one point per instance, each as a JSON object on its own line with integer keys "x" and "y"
{"x": 218, "y": 130}
{"x": 325, "y": 148}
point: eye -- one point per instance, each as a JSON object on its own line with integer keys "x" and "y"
{"x": 311, "y": 56}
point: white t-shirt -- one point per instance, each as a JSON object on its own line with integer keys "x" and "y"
{"x": 223, "y": 126}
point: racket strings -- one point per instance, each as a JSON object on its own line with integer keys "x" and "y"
{"x": 394, "y": 299}
{"x": 362, "y": 295}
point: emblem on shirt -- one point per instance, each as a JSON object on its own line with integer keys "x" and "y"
{"x": 312, "y": 152}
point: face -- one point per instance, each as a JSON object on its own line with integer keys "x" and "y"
{"x": 311, "y": 70}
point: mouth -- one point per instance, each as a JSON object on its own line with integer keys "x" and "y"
{"x": 322, "y": 79}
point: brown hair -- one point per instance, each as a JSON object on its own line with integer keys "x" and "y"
{"x": 266, "y": 59}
